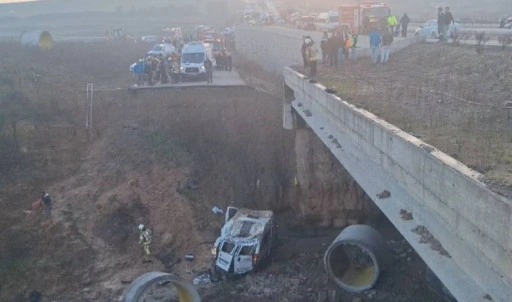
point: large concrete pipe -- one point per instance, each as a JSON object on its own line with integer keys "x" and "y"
{"x": 37, "y": 38}
{"x": 186, "y": 292}
{"x": 356, "y": 257}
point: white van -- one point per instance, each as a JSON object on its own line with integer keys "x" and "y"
{"x": 327, "y": 21}
{"x": 193, "y": 56}
{"x": 246, "y": 241}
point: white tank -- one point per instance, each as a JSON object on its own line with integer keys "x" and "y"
{"x": 38, "y": 38}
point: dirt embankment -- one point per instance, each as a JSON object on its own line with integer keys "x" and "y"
{"x": 164, "y": 159}
{"x": 161, "y": 158}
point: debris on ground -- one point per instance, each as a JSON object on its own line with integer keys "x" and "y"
{"x": 189, "y": 257}
{"x": 126, "y": 279}
{"x": 202, "y": 279}
{"x": 358, "y": 257}
{"x": 427, "y": 237}
{"x": 384, "y": 194}
{"x": 217, "y": 211}
{"x": 405, "y": 215}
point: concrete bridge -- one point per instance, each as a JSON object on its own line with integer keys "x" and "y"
{"x": 457, "y": 225}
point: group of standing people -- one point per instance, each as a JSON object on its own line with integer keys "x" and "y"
{"x": 159, "y": 69}
{"x": 394, "y": 25}
{"x": 150, "y": 70}
{"x": 337, "y": 47}
{"x": 380, "y": 44}
{"x": 224, "y": 60}
{"x": 444, "y": 20}
{"x": 333, "y": 50}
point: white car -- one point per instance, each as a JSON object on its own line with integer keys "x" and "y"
{"x": 429, "y": 29}
{"x": 151, "y": 39}
{"x": 246, "y": 241}
{"x": 164, "y": 49}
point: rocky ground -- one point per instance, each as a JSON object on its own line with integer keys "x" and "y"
{"x": 297, "y": 273}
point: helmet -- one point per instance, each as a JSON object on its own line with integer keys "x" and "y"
{"x": 141, "y": 227}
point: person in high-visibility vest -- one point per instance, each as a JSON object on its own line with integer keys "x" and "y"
{"x": 145, "y": 239}
{"x": 392, "y": 23}
{"x": 348, "y": 46}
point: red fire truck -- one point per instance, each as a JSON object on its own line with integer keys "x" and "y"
{"x": 360, "y": 18}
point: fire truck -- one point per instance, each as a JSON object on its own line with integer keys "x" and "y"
{"x": 360, "y": 18}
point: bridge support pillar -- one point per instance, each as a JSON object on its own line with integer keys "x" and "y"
{"x": 327, "y": 193}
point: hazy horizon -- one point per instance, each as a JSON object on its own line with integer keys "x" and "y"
{"x": 489, "y": 10}
{"x": 15, "y": 1}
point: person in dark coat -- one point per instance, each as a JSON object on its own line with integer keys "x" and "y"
{"x": 404, "y": 21}
{"x": 448, "y": 20}
{"x": 332, "y": 49}
{"x": 47, "y": 203}
{"x": 164, "y": 78}
{"x": 440, "y": 23}
{"x": 340, "y": 46}
{"x": 323, "y": 47}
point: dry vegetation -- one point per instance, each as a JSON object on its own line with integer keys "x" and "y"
{"x": 448, "y": 96}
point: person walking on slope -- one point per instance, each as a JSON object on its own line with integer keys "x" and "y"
{"x": 404, "y": 21}
{"x": 313, "y": 57}
{"x": 47, "y": 203}
{"x": 145, "y": 240}
{"x": 375, "y": 43}
{"x": 387, "y": 39}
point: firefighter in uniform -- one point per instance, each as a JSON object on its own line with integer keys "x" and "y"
{"x": 145, "y": 239}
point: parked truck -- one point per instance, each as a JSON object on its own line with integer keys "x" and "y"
{"x": 361, "y": 18}
{"x": 246, "y": 241}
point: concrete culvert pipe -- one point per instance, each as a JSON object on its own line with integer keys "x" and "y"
{"x": 37, "y": 38}
{"x": 356, "y": 257}
{"x": 134, "y": 293}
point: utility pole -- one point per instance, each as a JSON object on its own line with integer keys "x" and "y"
{"x": 88, "y": 105}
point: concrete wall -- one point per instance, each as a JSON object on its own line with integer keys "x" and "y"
{"x": 472, "y": 223}
{"x": 276, "y": 48}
